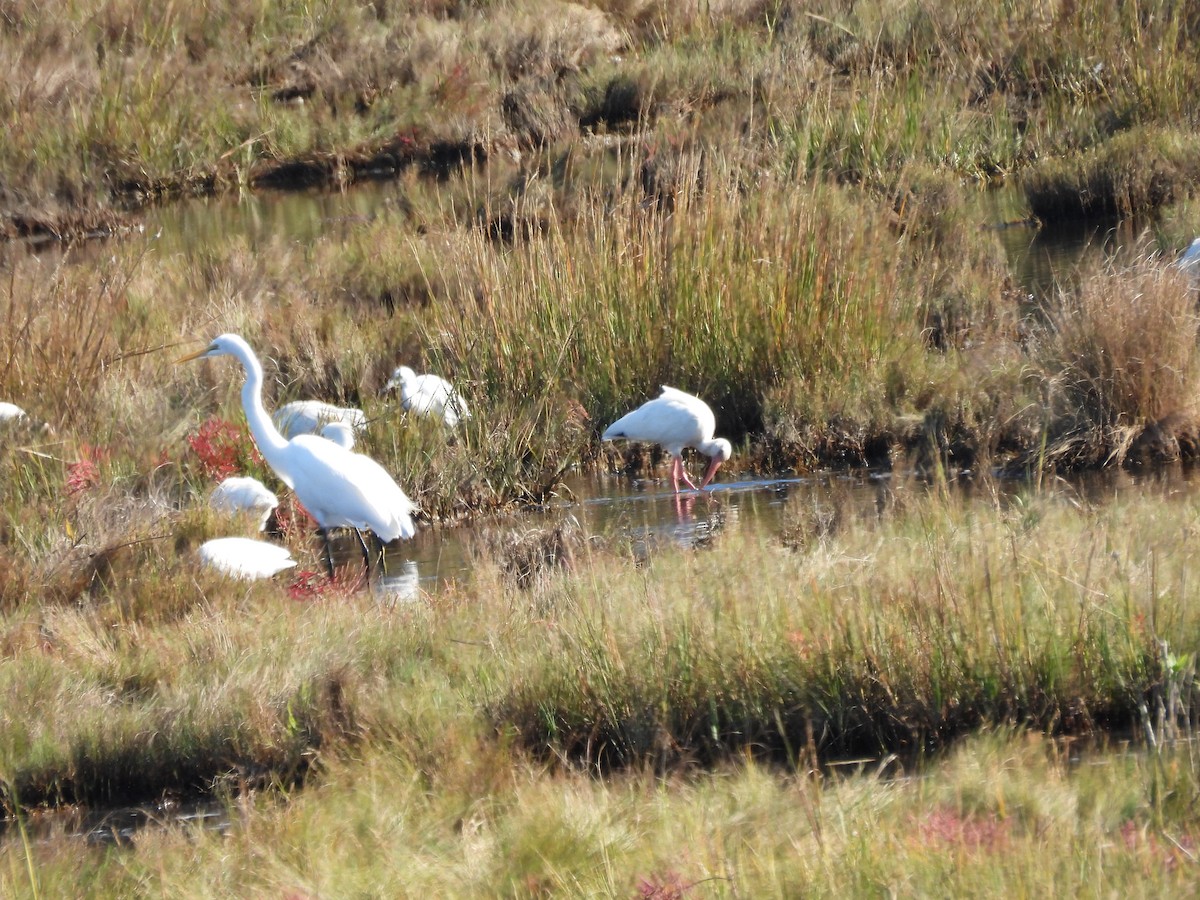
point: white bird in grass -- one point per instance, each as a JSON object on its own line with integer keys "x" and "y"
{"x": 338, "y": 487}
{"x": 244, "y": 495}
{"x": 309, "y": 416}
{"x": 10, "y": 412}
{"x": 675, "y": 420}
{"x": 1189, "y": 259}
{"x": 428, "y": 395}
{"x": 246, "y": 558}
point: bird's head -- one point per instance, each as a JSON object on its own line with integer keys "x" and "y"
{"x": 223, "y": 345}
{"x": 717, "y": 450}
{"x": 400, "y": 377}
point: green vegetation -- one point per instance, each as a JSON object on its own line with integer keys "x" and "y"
{"x": 438, "y": 740}
{"x": 774, "y": 205}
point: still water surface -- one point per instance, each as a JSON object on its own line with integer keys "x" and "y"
{"x": 649, "y": 517}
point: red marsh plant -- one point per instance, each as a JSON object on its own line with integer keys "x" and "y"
{"x": 947, "y": 828}
{"x": 84, "y": 473}
{"x": 223, "y": 448}
{"x": 311, "y": 585}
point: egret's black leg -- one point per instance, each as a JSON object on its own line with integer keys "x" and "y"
{"x": 362, "y": 542}
{"x": 328, "y": 551}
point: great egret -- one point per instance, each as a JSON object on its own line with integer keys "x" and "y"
{"x": 308, "y": 417}
{"x": 675, "y": 420}
{"x": 338, "y": 487}
{"x": 340, "y": 433}
{"x": 428, "y": 395}
{"x": 246, "y": 558}
{"x": 244, "y": 495}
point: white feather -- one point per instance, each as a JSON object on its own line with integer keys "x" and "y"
{"x": 245, "y": 558}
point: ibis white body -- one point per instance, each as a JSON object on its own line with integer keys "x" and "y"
{"x": 309, "y": 416}
{"x": 10, "y": 412}
{"x": 428, "y": 395}
{"x": 675, "y": 420}
{"x": 340, "y": 433}
{"x": 241, "y": 494}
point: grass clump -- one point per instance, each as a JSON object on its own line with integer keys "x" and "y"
{"x": 1137, "y": 173}
{"x": 697, "y": 672}
{"x": 1119, "y": 357}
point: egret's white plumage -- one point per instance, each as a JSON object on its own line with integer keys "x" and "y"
{"x": 309, "y": 416}
{"x": 246, "y": 558}
{"x": 10, "y": 412}
{"x": 1189, "y": 259}
{"x": 675, "y": 420}
{"x": 241, "y": 494}
{"x": 340, "y": 433}
{"x": 428, "y": 395}
{"x": 338, "y": 487}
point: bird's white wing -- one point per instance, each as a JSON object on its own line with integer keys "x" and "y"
{"x": 308, "y": 416}
{"x": 245, "y": 558}
{"x": 343, "y": 488}
{"x": 664, "y": 420}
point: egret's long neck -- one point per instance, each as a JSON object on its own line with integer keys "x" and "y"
{"x": 266, "y": 435}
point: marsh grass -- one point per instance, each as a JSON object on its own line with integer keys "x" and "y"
{"x": 437, "y": 744}
{"x": 652, "y": 303}
{"x": 765, "y": 203}
{"x": 1120, "y": 353}
{"x": 840, "y": 660}
{"x": 1137, "y": 173}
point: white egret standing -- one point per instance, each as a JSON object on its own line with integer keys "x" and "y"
{"x": 241, "y": 494}
{"x": 428, "y": 395}
{"x": 309, "y": 416}
{"x": 338, "y": 487}
{"x": 246, "y": 558}
{"x": 675, "y": 420}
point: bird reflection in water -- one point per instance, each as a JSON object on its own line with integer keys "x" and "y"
{"x": 391, "y": 579}
{"x": 400, "y": 583}
{"x": 698, "y": 528}
{"x": 698, "y": 517}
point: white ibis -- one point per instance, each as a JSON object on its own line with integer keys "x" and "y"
{"x": 245, "y": 558}
{"x": 309, "y": 416}
{"x": 241, "y": 494}
{"x": 340, "y": 433}
{"x": 10, "y": 412}
{"x": 675, "y": 420}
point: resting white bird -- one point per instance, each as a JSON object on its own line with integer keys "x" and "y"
{"x": 340, "y": 433}
{"x": 309, "y": 416}
{"x": 428, "y": 395}
{"x": 675, "y": 420}
{"x": 338, "y": 487}
{"x": 10, "y": 412}
{"x": 1189, "y": 259}
{"x": 246, "y": 558}
{"x": 244, "y": 495}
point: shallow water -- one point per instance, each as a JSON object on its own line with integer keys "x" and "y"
{"x": 649, "y": 517}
